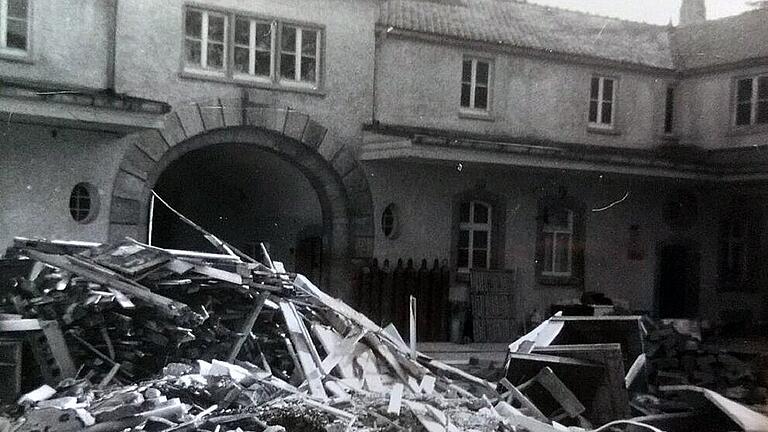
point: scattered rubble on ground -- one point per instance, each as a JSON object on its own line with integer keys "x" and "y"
{"x": 134, "y": 337}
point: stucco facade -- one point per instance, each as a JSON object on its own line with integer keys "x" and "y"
{"x": 103, "y": 96}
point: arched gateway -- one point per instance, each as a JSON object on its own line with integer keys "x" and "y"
{"x": 335, "y": 176}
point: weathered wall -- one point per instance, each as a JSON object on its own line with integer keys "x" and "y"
{"x": 419, "y": 84}
{"x": 38, "y": 171}
{"x": 149, "y": 59}
{"x": 706, "y": 115}
{"x": 423, "y": 194}
{"x": 69, "y": 44}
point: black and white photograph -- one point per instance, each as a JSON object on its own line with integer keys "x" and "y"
{"x": 384, "y": 215}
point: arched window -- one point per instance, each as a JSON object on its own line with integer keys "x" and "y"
{"x": 475, "y": 231}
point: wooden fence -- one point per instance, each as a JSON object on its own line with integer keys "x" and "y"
{"x": 494, "y": 308}
{"x": 383, "y": 292}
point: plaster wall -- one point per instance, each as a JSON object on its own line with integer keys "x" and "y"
{"x": 149, "y": 59}
{"x": 423, "y": 194}
{"x": 419, "y": 84}
{"x": 69, "y": 44}
{"x": 707, "y": 111}
{"x": 38, "y": 171}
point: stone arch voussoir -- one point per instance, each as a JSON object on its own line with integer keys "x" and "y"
{"x": 338, "y": 178}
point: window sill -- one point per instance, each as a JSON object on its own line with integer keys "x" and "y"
{"x": 475, "y": 115}
{"x": 603, "y": 130}
{"x": 560, "y": 281}
{"x": 748, "y": 130}
{"x": 15, "y": 56}
{"x": 250, "y": 82}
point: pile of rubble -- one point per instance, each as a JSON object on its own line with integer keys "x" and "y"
{"x": 677, "y": 356}
{"x": 134, "y": 337}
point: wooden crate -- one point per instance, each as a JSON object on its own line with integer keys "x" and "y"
{"x": 493, "y": 305}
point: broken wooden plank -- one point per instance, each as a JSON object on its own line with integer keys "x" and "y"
{"x": 343, "y": 350}
{"x": 636, "y": 373}
{"x": 59, "y": 349}
{"x": 395, "y": 399}
{"x": 560, "y": 392}
{"x": 748, "y": 420}
{"x": 463, "y": 375}
{"x": 523, "y": 400}
{"x": 218, "y": 274}
{"x": 20, "y": 325}
{"x": 245, "y": 330}
{"x": 412, "y": 326}
{"x": 98, "y": 274}
{"x": 391, "y": 360}
{"x": 307, "y": 362}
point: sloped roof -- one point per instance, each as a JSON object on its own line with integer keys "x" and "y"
{"x": 722, "y": 41}
{"x": 533, "y": 26}
{"x": 526, "y": 25}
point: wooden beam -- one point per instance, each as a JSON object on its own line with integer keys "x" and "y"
{"x": 245, "y": 331}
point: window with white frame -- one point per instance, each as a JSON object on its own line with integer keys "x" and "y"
{"x": 205, "y": 39}
{"x": 298, "y": 54}
{"x": 557, "y": 235}
{"x": 254, "y": 44}
{"x": 475, "y": 82}
{"x": 474, "y": 245}
{"x": 752, "y": 101}
{"x": 14, "y": 26}
{"x": 602, "y": 95}
{"x": 264, "y": 50}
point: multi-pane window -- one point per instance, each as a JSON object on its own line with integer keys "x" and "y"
{"x": 557, "y": 234}
{"x": 602, "y": 95}
{"x": 253, "y": 47}
{"x": 752, "y": 101}
{"x": 14, "y": 24}
{"x": 474, "y": 246}
{"x": 298, "y": 54}
{"x": 475, "y": 81}
{"x": 262, "y": 50}
{"x": 205, "y": 39}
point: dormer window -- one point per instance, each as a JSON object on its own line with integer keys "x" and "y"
{"x": 751, "y": 101}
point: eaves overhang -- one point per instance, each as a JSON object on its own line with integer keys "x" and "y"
{"x": 79, "y": 108}
{"x": 387, "y": 143}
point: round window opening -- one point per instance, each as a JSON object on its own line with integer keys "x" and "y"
{"x": 84, "y": 202}
{"x": 389, "y": 222}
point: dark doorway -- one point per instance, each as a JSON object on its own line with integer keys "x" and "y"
{"x": 246, "y": 196}
{"x": 677, "y": 293}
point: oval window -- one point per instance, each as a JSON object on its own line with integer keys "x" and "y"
{"x": 84, "y": 202}
{"x": 389, "y": 221}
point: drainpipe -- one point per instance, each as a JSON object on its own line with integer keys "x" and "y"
{"x": 378, "y": 38}
{"x": 111, "y": 47}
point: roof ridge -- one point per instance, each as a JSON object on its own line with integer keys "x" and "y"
{"x": 578, "y": 12}
{"x": 725, "y": 18}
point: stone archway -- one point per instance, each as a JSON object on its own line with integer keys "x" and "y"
{"x": 335, "y": 175}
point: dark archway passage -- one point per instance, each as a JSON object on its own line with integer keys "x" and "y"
{"x": 329, "y": 164}
{"x": 245, "y": 195}
{"x": 677, "y": 293}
